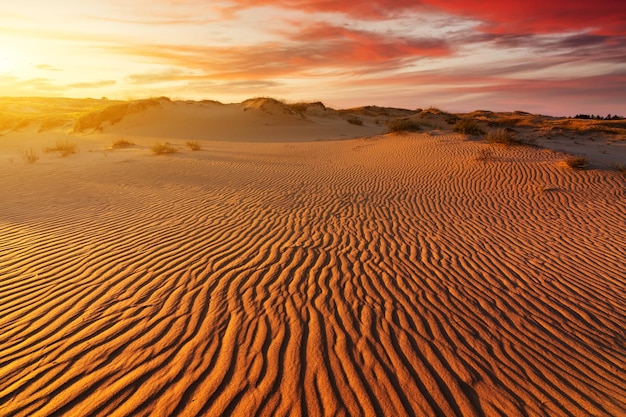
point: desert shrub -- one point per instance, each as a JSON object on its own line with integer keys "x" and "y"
{"x": 65, "y": 148}
{"x": 434, "y": 110}
{"x": 404, "y": 125}
{"x": 619, "y": 167}
{"x": 161, "y": 148}
{"x": 451, "y": 119}
{"x": 194, "y": 145}
{"x": 121, "y": 144}
{"x": 30, "y": 155}
{"x": 299, "y": 107}
{"x": 468, "y": 126}
{"x": 503, "y": 136}
{"x": 576, "y": 162}
{"x": 354, "y": 120}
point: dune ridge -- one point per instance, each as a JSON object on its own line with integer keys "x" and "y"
{"x": 395, "y": 275}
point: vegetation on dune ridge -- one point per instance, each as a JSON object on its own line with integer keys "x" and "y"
{"x": 404, "y": 125}
{"x": 468, "y": 126}
{"x": 354, "y": 120}
{"x": 114, "y": 114}
{"x": 504, "y": 137}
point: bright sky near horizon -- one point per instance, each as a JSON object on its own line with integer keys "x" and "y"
{"x": 556, "y": 58}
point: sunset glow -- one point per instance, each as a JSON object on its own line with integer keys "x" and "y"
{"x": 557, "y": 58}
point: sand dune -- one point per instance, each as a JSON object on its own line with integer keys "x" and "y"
{"x": 393, "y": 275}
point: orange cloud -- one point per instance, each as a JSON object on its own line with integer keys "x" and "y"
{"x": 311, "y": 48}
{"x": 95, "y": 84}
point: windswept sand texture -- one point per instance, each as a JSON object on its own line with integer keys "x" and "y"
{"x": 390, "y": 275}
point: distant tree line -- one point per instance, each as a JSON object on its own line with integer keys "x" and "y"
{"x": 598, "y": 117}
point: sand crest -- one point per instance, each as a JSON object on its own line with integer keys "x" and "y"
{"x": 391, "y": 275}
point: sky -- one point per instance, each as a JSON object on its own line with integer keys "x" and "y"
{"x": 554, "y": 57}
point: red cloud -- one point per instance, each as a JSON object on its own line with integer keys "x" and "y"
{"x": 369, "y": 9}
{"x": 347, "y": 46}
{"x": 607, "y": 17}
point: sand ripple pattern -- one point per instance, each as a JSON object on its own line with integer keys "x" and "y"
{"x": 385, "y": 276}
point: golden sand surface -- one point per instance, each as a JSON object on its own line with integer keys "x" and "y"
{"x": 395, "y": 274}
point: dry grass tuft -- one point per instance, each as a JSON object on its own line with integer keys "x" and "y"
{"x": 354, "y": 120}
{"x": 468, "y": 126}
{"x": 194, "y": 145}
{"x": 576, "y": 162}
{"x": 434, "y": 110}
{"x": 619, "y": 167}
{"x": 161, "y": 148}
{"x": 404, "y": 125}
{"x": 65, "y": 148}
{"x": 122, "y": 144}
{"x": 502, "y": 136}
{"x": 30, "y": 155}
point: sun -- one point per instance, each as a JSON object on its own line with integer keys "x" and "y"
{"x": 8, "y": 61}
{"x": 11, "y": 60}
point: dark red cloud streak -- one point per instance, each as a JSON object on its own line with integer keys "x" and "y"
{"x": 359, "y": 46}
{"x": 606, "y": 17}
{"x": 368, "y": 9}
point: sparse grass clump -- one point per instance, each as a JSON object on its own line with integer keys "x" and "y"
{"x": 502, "y": 136}
{"x": 468, "y": 126}
{"x": 434, "y": 110}
{"x": 65, "y": 148}
{"x": 404, "y": 125}
{"x": 576, "y": 162}
{"x": 452, "y": 119}
{"x": 30, "y": 155}
{"x": 354, "y": 120}
{"x": 161, "y": 148}
{"x": 121, "y": 144}
{"x": 619, "y": 167}
{"x": 194, "y": 145}
{"x": 299, "y": 107}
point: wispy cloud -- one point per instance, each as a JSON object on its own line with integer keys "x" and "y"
{"x": 304, "y": 50}
{"x": 369, "y": 9}
{"x": 30, "y": 86}
{"x": 46, "y": 67}
{"x": 95, "y": 84}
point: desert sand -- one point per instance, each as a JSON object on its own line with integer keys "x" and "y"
{"x": 298, "y": 264}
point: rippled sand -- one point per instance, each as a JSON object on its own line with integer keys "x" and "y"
{"x": 395, "y": 275}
